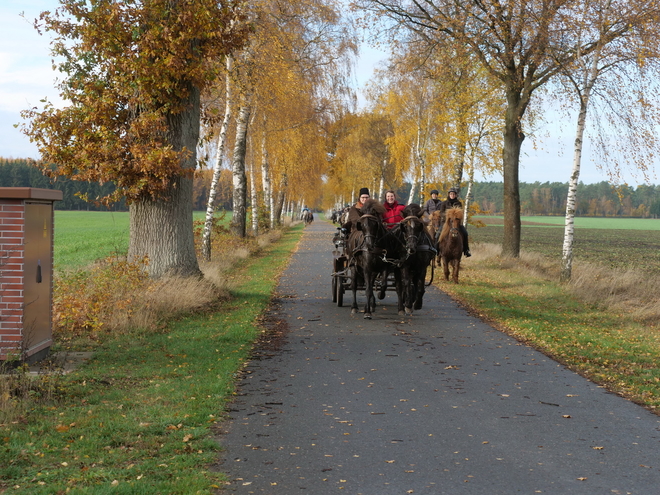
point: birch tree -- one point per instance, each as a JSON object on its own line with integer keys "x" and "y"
{"x": 611, "y": 66}
{"x": 515, "y": 42}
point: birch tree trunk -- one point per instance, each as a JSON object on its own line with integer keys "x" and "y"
{"x": 253, "y": 201}
{"x": 279, "y": 205}
{"x": 238, "y": 221}
{"x": 265, "y": 178}
{"x": 467, "y": 195}
{"x": 381, "y": 189}
{"x": 571, "y": 200}
{"x": 217, "y": 166}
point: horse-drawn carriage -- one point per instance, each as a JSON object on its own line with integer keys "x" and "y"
{"x": 342, "y": 273}
{"x": 375, "y": 259}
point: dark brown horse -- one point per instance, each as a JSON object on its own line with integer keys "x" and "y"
{"x": 364, "y": 251}
{"x": 450, "y": 244}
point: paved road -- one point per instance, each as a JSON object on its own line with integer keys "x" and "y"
{"x": 436, "y": 403}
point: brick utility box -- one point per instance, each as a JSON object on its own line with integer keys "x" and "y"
{"x": 26, "y": 272}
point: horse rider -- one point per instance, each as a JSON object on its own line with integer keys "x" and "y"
{"x": 393, "y": 210}
{"x": 354, "y": 212}
{"x": 452, "y": 201}
{"x": 432, "y": 204}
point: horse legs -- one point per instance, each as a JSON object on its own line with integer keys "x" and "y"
{"x": 383, "y": 283}
{"x": 399, "y": 290}
{"x": 408, "y": 289}
{"x": 445, "y": 267}
{"x": 456, "y": 265}
{"x": 370, "y": 305}
{"x": 354, "y": 284}
{"x": 419, "y": 296}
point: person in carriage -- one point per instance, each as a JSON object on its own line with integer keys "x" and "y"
{"x": 354, "y": 212}
{"x": 393, "y": 210}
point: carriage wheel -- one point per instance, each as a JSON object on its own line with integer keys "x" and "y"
{"x": 340, "y": 293}
{"x": 334, "y": 288}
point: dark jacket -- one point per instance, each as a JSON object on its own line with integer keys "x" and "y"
{"x": 431, "y": 205}
{"x": 449, "y": 203}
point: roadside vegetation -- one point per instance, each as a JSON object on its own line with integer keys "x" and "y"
{"x": 140, "y": 416}
{"x": 603, "y": 324}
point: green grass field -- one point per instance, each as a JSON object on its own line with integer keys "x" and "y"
{"x": 82, "y": 237}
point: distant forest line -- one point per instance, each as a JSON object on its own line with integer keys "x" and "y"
{"x": 537, "y": 198}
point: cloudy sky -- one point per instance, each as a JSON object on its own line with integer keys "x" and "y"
{"x": 26, "y": 77}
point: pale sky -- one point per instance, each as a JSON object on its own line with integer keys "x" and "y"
{"x": 26, "y": 77}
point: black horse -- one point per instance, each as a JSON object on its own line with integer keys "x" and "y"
{"x": 365, "y": 250}
{"x": 412, "y": 254}
{"x": 416, "y": 252}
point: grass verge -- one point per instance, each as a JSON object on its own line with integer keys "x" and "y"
{"x": 608, "y": 345}
{"x": 138, "y": 418}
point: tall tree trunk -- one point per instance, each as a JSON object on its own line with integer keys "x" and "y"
{"x": 467, "y": 195}
{"x": 513, "y": 139}
{"x": 238, "y": 221}
{"x": 461, "y": 152}
{"x": 265, "y": 178}
{"x": 254, "y": 205}
{"x": 413, "y": 188}
{"x": 217, "y": 166}
{"x": 381, "y": 189}
{"x": 571, "y": 200}
{"x": 280, "y": 199}
{"x": 162, "y": 229}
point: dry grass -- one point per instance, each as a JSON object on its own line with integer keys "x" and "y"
{"x": 632, "y": 292}
{"x": 114, "y": 296}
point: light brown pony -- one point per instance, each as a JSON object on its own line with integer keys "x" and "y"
{"x": 450, "y": 244}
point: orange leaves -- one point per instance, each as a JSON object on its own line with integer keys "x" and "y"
{"x": 132, "y": 73}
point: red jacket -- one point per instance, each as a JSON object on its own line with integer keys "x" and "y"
{"x": 393, "y": 214}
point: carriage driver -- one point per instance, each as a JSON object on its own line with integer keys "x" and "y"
{"x": 452, "y": 201}
{"x": 354, "y": 213}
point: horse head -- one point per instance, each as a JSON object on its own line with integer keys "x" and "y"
{"x": 412, "y": 227}
{"x": 453, "y": 222}
{"x": 370, "y": 223}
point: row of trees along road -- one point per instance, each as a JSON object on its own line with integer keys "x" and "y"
{"x": 141, "y": 77}
{"x": 268, "y": 83}
{"x": 525, "y": 48}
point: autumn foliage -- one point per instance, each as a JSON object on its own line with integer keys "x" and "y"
{"x": 132, "y": 68}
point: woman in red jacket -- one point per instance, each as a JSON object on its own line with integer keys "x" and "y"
{"x": 393, "y": 210}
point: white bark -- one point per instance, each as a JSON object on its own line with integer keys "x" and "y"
{"x": 381, "y": 187}
{"x": 467, "y": 196}
{"x": 239, "y": 179}
{"x": 589, "y": 80}
{"x": 217, "y": 166}
{"x": 265, "y": 179}
{"x": 253, "y": 201}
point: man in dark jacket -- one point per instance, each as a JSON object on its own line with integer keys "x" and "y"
{"x": 354, "y": 213}
{"x": 452, "y": 201}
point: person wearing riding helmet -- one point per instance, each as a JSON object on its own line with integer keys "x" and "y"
{"x": 452, "y": 201}
{"x": 432, "y": 204}
{"x": 393, "y": 210}
{"x": 354, "y": 213}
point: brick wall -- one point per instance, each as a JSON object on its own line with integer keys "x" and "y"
{"x": 12, "y": 227}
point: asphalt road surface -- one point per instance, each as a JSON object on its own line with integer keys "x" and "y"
{"x": 436, "y": 403}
